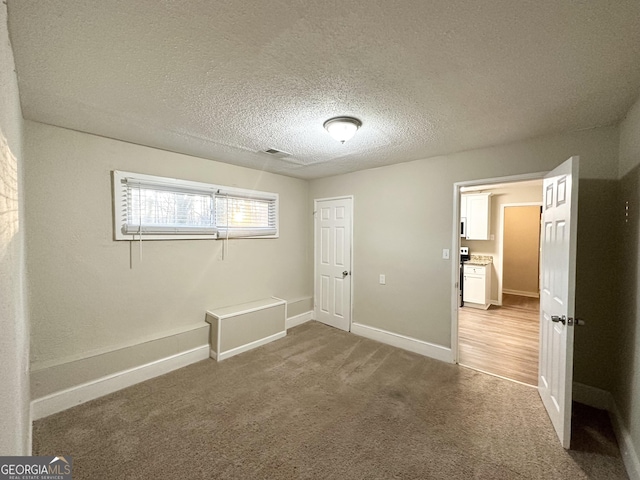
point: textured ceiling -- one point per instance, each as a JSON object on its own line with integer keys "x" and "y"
{"x": 227, "y": 79}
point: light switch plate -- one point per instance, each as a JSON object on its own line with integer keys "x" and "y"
{"x": 445, "y": 253}
{"x": 383, "y": 279}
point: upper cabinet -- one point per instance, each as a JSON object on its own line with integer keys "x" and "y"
{"x": 475, "y": 208}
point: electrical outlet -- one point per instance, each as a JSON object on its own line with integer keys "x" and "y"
{"x": 445, "y": 253}
{"x": 383, "y": 279}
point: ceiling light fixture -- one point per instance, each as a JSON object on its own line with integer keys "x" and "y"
{"x": 342, "y": 128}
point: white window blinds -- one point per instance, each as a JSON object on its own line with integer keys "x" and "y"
{"x": 249, "y": 215}
{"x": 157, "y": 209}
{"x": 164, "y": 208}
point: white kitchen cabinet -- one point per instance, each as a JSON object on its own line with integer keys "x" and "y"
{"x": 477, "y": 285}
{"x": 477, "y": 211}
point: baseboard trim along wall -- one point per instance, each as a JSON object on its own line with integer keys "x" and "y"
{"x": 246, "y": 347}
{"x": 76, "y": 395}
{"x": 414, "y": 345}
{"x": 598, "y": 398}
{"x": 299, "y": 319}
{"x": 592, "y": 396}
{"x": 521, "y": 293}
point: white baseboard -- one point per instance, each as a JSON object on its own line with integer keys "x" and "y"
{"x": 249, "y": 346}
{"x": 592, "y": 396}
{"x": 64, "y": 399}
{"x": 406, "y": 343}
{"x": 625, "y": 442}
{"x": 299, "y": 319}
{"x": 598, "y": 398}
{"x": 521, "y": 293}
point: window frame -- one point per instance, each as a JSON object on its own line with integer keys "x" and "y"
{"x": 120, "y": 208}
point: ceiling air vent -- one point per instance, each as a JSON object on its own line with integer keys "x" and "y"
{"x": 284, "y": 156}
{"x": 277, "y": 153}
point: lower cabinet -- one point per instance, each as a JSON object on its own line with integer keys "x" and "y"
{"x": 477, "y": 286}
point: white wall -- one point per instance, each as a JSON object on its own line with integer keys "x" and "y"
{"x": 85, "y": 297}
{"x": 15, "y": 434}
{"x": 403, "y": 219}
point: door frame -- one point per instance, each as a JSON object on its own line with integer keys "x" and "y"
{"x": 501, "y": 245}
{"x": 315, "y": 251}
{"x": 455, "y": 242}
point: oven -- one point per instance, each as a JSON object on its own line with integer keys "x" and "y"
{"x": 464, "y": 257}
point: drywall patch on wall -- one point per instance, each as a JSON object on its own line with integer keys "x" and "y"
{"x": 15, "y": 435}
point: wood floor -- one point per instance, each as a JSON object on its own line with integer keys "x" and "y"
{"x": 501, "y": 340}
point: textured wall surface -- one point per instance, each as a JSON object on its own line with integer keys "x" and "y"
{"x": 90, "y": 293}
{"x": 15, "y": 437}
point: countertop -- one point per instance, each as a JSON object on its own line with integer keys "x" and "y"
{"x": 480, "y": 260}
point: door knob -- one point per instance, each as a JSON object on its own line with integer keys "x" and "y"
{"x": 345, "y": 273}
{"x": 578, "y": 322}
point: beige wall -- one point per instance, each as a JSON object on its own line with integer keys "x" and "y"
{"x": 521, "y": 249}
{"x": 85, "y": 297}
{"x": 629, "y": 141}
{"x": 15, "y": 435}
{"x": 499, "y": 197}
{"x": 626, "y": 389}
{"x": 403, "y": 219}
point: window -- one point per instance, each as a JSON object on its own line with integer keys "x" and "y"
{"x": 245, "y": 216}
{"x": 157, "y": 208}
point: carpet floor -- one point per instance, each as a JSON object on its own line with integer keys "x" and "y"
{"x": 322, "y": 403}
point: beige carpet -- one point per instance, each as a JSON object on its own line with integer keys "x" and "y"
{"x": 322, "y": 403}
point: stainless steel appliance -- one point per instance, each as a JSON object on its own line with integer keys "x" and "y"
{"x": 464, "y": 257}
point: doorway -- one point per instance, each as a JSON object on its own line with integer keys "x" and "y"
{"x": 500, "y": 335}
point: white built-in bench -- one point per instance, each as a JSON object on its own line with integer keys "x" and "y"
{"x": 239, "y": 328}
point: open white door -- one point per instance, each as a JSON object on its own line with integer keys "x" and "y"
{"x": 557, "y": 294}
{"x": 333, "y": 261}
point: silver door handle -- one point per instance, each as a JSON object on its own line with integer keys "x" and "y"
{"x": 578, "y": 322}
{"x": 345, "y": 273}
